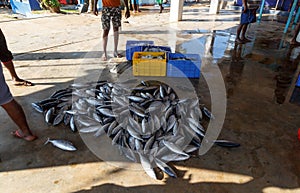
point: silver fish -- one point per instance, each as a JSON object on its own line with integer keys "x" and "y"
{"x": 136, "y": 98}
{"x": 102, "y": 130}
{"x": 133, "y": 133}
{"x": 226, "y": 143}
{"x": 90, "y": 129}
{"x": 174, "y": 157}
{"x": 173, "y": 147}
{"x": 208, "y": 113}
{"x": 62, "y": 144}
{"x": 72, "y": 124}
{"x": 165, "y": 168}
{"x": 137, "y": 111}
{"x": 49, "y": 116}
{"x": 106, "y": 112}
{"x": 37, "y": 107}
{"x": 147, "y": 166}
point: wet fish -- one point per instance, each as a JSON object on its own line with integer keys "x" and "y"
{"x": 226, "y": 143}
{"x": 165, "y": 168}
{"x": 37, "y": 107}
{"x": 147, "y": 166}
{"x": 102, "y": 130}
{"x": 106, "y": 112}
{"x": 173, "y": 147}
{"x": 49, "y": 116}
{"x": 72, "y": 124}
{"x": 62, "y": 144}
{"x": 207, "y": 113}
{"x": 90, "y": 129}
{"x": 148, "y": 123}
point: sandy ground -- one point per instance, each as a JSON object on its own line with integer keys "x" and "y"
{"x": 55, "y": 50}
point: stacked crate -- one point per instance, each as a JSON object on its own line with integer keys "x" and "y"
{"x": 147, "y": 59}
{"x": 151, "y": 60}
{"x": 183, "y": 65}
{"x": 135, "y": 46}
{"x": 149, "y": 63}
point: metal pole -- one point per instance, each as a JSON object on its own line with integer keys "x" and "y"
{"x": 290, "y": 16}
{"x": 261, "y": 10}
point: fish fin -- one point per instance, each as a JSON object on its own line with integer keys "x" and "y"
{"x": 48, "y": 140}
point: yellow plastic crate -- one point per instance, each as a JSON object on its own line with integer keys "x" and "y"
{"x": 149, "y": 64}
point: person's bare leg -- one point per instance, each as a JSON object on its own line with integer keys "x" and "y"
{"x": 238, "y": 32}
{"x": 161, "y": 8}
{"x": 16, "y": 113}
{"x": 15, "y": 78}
{"x": 116, "y": 42}
{"x": 244, "y": 30}
{"x": 104, "y": 43}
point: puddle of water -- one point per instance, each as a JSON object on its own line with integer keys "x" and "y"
{"x": 259, "y": 63}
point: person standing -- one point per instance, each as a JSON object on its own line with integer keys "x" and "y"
{"x": 136, "y": 6}
{"x": 160, "y": 3}
{"x": 248, "y": 16}
{"x": 111, "y": 11}
{"x": 7, "y": 61}
{"x": 13, "y": 108}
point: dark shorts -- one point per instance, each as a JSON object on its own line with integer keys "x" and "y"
{"x": 5, "y": 54}
{"x": 5, "y": 94}
{"x": 111, "y": 14}
{"x": 249, "y": 16}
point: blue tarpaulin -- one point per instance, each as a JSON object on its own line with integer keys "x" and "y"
{"x": 24, "y": 7}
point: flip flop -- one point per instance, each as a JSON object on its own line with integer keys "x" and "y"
{"x": 18, "y": 134}
{"x": 23, "y": 83}
{"x": 117, "y": 55}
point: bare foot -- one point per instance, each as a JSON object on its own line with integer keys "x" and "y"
{"x": 239, "y": 41}
{"x": 245, "y": 40}
{"x": 19, "y": 134}
{"x": 104, "y": 57}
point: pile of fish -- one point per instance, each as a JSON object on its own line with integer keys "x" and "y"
{"x": 148, "y": 123}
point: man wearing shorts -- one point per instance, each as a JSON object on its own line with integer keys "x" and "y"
{"x": 111, "y": 11}
{"x": 249, "y": 9}
{"x": 7, "y": 101}
{"x": 6, "y": 59}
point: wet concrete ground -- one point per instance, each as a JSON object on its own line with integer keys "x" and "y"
{"x": 259, "y": 78}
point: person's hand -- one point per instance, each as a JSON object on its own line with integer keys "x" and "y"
{"x": 95, "y": 12}
{"x": 127, "y": 13}
{"x": 245, "y": 9}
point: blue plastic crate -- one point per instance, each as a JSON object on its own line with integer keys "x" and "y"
{"x": 183, "y": 65}
{"x": 135, "y": 46}
{"x": 298, "y": 81}
{"x": 153, "y": 48}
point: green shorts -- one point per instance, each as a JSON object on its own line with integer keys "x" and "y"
{"x": 111, "y": 14}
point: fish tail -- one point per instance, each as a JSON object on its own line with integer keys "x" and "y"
{"x": 47, "y": 141}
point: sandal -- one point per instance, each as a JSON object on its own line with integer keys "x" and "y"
{"x": 117, "y": 55}
{"x": 19, "y": 134}
{"x": 22, "y": 83}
